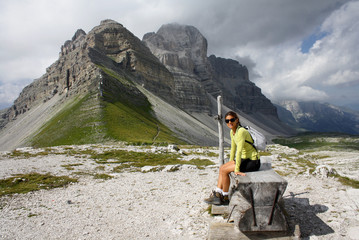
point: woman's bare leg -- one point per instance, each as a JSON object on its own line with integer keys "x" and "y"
{"x": 223, "y": 178}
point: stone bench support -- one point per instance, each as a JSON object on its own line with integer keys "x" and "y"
{"x": 256, "y": 203}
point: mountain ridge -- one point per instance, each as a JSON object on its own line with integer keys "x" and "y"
{"x": 318, "y": 117}
{"x": 108, "y": 66}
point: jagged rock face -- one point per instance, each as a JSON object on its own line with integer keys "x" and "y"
{"x": 178, "y": 46}
{"x": 183, "y": 50}
{"x": 238, "y": 91}
{"x": 69, "y": 75}
{"x": 115, "y": 41}
{"x": 77, "y": 69}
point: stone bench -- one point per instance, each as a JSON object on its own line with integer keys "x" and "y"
{"x": 255, "y": 203}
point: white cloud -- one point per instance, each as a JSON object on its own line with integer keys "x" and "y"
{"x": 287, "y": 73}
{"x": 265, "y": 36}
{"x": 10, "y": 90}
{"x": 343, "y": 77}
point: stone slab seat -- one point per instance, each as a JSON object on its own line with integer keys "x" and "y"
{"x": 256, "y": 200}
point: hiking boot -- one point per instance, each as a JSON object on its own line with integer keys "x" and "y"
{"x": 215, "y": 198}
{"x": 225, "y": 200}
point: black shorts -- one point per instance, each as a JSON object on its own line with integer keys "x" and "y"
{"x": 248, "y": 165}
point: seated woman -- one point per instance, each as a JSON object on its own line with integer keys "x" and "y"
{"x": 243, "y": 158}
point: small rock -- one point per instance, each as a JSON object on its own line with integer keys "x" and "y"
{"x": 173, "y": 148}
{"x": 147, "y": 168}
{"x": 324, "y": 171}
{"x": 172, "y": 168}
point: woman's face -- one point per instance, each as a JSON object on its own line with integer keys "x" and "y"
{"x": 231, "y": 122}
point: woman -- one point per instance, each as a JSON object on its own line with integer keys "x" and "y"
{"x": 243, "y": 158}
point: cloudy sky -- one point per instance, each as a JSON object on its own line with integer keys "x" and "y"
{"x": 302, "y": 50}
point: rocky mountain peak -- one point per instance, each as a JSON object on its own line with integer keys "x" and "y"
{"x": 178, "y": 46}
{"x": 129, "y": 52}
{"x": 109, "y": 21}
{"x": 183, "y": 50}
{"x": 77, "y": 69}
{"x": 79, "y": 33}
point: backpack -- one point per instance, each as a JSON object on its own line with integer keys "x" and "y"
{"x": 259, "y": 140}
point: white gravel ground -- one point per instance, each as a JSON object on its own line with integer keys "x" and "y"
{"x": 157, "y": 205}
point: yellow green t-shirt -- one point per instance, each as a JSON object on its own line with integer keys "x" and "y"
{"x": 240, "y": 149}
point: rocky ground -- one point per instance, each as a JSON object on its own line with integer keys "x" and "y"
{"x": 165, "y": 204}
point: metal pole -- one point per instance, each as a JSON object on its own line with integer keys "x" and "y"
{"x": 220, "y": 130}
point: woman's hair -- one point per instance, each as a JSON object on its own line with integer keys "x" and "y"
{"x": 233, "y": 114}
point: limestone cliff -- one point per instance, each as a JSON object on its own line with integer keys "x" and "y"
{"x": 183, "y": 50}
{"x": 238, "y": 91}
{"x": 77, "y": 69}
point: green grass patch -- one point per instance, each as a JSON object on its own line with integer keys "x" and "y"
{"x": 347, "y": 181}
{"x": 131, "y": 159}
{"x": 207, "y": 154}
{"x": 23, "y": 183}
{"x": 32, "y": 215}
{"x": 200, "y": 163}
{"x": 264, "y": 153}
{"x": 139, "y": 159}
{"x": 79, "y": 122}
{"x": 320, "y": 141}
{"x": 136, "y": 125}
{"x": 283, "y": 174}
{"x": 17, "y": 153}
{"x": 47, "y": 151}
{"x": 305, "y": 163}
{"x": 100, "y": 168}
{"x": 103, "y": 176}
{"x": 71, "y": 166}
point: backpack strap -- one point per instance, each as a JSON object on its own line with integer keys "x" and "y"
{"x": 251, "y": 143}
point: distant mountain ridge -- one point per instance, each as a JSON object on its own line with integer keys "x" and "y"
{"x": 108, "y": 85}
{"x": 318, "y": 117}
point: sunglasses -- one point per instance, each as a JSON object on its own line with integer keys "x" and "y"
{"x": 230, "y": 120}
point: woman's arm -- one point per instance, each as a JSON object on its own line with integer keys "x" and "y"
{"x": 233, "y": 148}
{"x": 239, "y": 138}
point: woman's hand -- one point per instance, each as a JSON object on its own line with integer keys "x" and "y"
{"x": 240, "y": 173}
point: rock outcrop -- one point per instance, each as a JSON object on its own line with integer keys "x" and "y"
{"x": 238, "y": 91}
{"x": 124, "y": 48}
{"x": 183, "y": 50}
{"x": 78, "y": 68}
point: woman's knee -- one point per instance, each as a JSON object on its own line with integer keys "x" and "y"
{"x": 226, "y": 168}
{"x": 222, "y": 169}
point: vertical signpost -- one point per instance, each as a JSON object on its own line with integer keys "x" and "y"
{"x": 220, "y": 130}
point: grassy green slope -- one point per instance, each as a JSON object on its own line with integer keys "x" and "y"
{"x": 123, "y": 113}
{"x": 79, "y": 122}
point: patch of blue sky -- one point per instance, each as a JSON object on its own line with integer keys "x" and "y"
{"x": 309, "y": 41}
